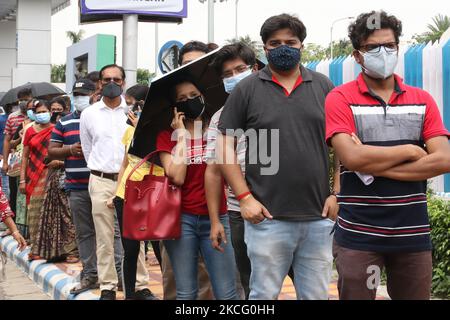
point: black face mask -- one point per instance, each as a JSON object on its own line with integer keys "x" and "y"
{"x": 55, "y": 116}
{"x": 111, "y": 90}
{"x": 192, "y": 108}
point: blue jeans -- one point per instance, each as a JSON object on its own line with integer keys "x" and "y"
{"x": 184, "y": 253}
{"x": 274, "y": 245}
{"x": 5, "y": 184}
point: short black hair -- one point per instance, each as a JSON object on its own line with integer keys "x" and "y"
{"x": 283, "y": 21}
{"x": 59, "y": 100}
{"x": 368, "y": 23}
{"x": 24, "y": 93}
{"x": 94, "y": 76}
{"x": 192, "y": 46}
{"x": 112, "y": 66}
{"x": 138, "y": 91}
{"x": 232, "y": 52}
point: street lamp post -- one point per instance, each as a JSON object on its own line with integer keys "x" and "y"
{"x": 211, "y": 18}
{"x": 236, "y": 16}
{"x": 331, "y": 33}
{"x": 211, "y": 21}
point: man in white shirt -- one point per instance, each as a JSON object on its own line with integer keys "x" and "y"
{"x": 102, "y": 127}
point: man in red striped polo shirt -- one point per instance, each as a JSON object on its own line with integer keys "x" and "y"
{"x": 382, "y": 127}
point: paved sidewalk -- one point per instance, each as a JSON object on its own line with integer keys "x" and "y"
{"x": 57, "y": 279}
{"x": 18, "y": 286}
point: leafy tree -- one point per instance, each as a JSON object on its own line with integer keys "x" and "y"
{"x": 143, "y": 76}
{"x": 313, "y": 52}
{"x": 246, "y": 40}
{"x": 75, "y": 36}
{"x": 58, "y": 73}
{"x": 341, "y": 48}
{"x": 435, "y": 31}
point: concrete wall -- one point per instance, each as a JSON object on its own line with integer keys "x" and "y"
{"x": 33, "y": 42}
{"x": 7, "y": 53}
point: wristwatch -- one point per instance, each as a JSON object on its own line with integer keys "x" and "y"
{"x": 334, "y": 193}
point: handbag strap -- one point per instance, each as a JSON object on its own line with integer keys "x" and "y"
{"x": 142, "y": 162}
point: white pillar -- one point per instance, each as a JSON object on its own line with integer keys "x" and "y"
{"x": 33, "y": 42}
{"x": 211, "y": 21}
{"x": 129, "y": 49}
{"x": 7, "y": 54}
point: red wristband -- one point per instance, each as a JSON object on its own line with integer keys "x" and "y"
{"x": 243, "y": 195}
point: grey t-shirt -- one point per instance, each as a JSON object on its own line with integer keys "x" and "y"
{"x": 287, "y": 156}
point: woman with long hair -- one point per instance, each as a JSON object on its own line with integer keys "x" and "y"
{"x": 182, "y": 154}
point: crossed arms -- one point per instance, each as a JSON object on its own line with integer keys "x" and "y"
{"x": 404, "y": 163}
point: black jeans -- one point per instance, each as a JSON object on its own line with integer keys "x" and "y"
{"x": 240, "y": 251}
{"x": 131, "y": 250}
{"x": 13, "y": 193}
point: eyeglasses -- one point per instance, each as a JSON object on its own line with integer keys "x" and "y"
{"x": 376, "y": 47}
{"x": 239, "y": 69}
{"x": 116, "y": 80}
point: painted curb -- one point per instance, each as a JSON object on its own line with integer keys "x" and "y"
{"x": 53, "y": 281}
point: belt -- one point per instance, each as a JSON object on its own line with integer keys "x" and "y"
{"x": 110, "y": 176}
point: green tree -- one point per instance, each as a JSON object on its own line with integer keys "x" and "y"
{"x": 247, "y": 40}
{"x": 441, "y": 23}
{"x": 58, "y": 73}
{"x": 144, "y": 76}
{"x": 313, "y": 52}
{"x": 341, "y": 48}
{"x": 75, "y": 36}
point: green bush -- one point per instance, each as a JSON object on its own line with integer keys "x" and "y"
{"x": 439, "y": 211}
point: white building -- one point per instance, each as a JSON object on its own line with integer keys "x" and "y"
{"x": 25, "y": 40}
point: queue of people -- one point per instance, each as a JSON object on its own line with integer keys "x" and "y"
{"x": 246, "y": 223}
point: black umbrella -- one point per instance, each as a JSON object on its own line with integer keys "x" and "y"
{"x": 38, "y": 90}
{"x": 157, "y": 113}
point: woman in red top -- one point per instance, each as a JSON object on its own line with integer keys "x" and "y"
{"x": 183, "y": 158}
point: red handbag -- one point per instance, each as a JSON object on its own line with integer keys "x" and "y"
{"x": 152, "y": 207}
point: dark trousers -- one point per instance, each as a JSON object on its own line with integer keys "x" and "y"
{"x": 240, "y": 251}
{"x": 13, "y": 193}
{"x": 131, "y": 250}
{"x": 408, "y": 274}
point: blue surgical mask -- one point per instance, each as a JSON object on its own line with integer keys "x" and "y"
{"x": 231, "y": 82}
{"x": 380, "y": 65}
{"x": 284, "y": 58}
{"x": 43, "y": 118}
{"x": 30, "y": 115}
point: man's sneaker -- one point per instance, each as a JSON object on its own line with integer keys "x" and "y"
{"x": 108, "y": 295}
{"x": 144, "y": 294}
{"x": 85, "y": 285}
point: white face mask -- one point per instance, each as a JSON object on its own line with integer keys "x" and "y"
{"x": 380, "y": 65}
{"x": 81, "y": 102}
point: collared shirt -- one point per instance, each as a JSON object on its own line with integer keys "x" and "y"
{"x": 286, "y": 165}
{"x": 67, "y": 132}
{"x": 387, "y": 215}
{"x": 101, "y": 132}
